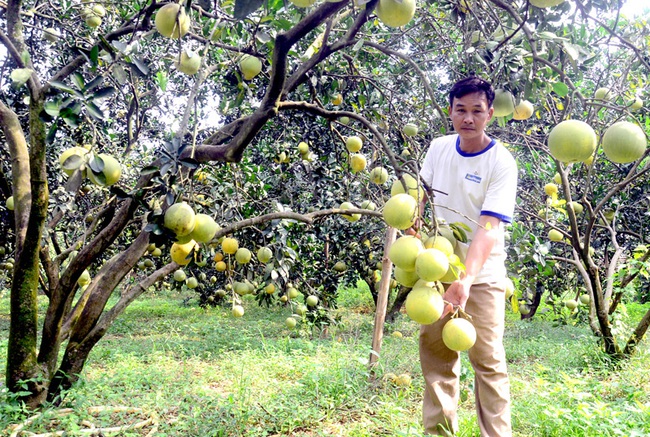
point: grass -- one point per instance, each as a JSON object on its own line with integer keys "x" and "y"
{"x": 203, "y": 373}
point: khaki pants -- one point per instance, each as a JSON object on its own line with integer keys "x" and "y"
{"x": 441, "y": 368}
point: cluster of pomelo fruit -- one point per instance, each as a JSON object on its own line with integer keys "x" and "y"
{"x": 189, "y": 228}
{"x": 101, "y": 169}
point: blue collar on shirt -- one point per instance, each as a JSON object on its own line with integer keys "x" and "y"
{"x": 469, "y": 155}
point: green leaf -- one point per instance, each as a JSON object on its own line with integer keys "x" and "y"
{"x": 63, "y": 87}
{"x": 51, "y": 108}
{"x": 78, "y": 80}
{"x": 103, "y": 93}
{"x": 560, "y": 89}
{"x": 94, "y": 110}
{"x": 161, "y": 81}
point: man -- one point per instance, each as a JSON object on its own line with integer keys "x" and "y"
{"x": 474, "y": 179}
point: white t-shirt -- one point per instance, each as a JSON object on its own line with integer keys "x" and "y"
{"x": 468, "y": 185}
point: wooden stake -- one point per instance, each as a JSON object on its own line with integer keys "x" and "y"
{"x": 382, "y": 299}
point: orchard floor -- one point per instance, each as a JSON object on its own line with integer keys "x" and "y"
{"x": 185, "y": 371}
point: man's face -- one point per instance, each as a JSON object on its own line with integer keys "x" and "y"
{"x": 470, "y": 114}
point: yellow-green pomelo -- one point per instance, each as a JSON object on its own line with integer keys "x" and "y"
{"x": 189, "y": 63}
{"x": 167, "y": 24}
{"x": 340, "y": 266}
{"x": 407, "y": 279}
{"x": 353, "y": 144}
{"x": 10, "y": 203}
{"x": 204, "y": 228}
{"x": 180, "y": 219}
{"x": 290, "y": 322}
{"x": 453, "y": 273}
{"x": 603, "y": 94}
{"x": 577, "y": 207}
{"x": 357, "y": 162}
{"x": 410, "y": 130}
{"x": 572, "y": 141}
{"x": 550, "y": 189}
{"x": 84, "y": 279}
{"x": 415, "y": 190}
{"x": 311, "y": 300}
{"x": 303, "y": 148}
{"x": 424, "y": 305}
{"x": 238, "y": 311}
{"x": 229, "y": 245}
{"x": 71, "y": 159}
{"x": 404, "y": 252}
{"x": 243, "y": 255}
{"x": 546, "y": 3}
{"x": 624, "y": 142}
{"x": 571, "y": 304}
{"x": 401, "y": 211}
{"x": 264, "y": 254}
{"x": 192, "y": 282}
{"x": 585, "y": 299}
{"x": 448, "y": 233}
{"x": 503, "y": 104}
{"x": 292, "y": 292}
{"x": 555, "y": 235}
{"x": 109, "y": 175}
{"x": 431, "y": 264}
{"x": 250, "y": 66}
{"x": 180, "y": 275}
{"x": 368, "y": 204}
{"x": 636, "y": 104}
{"x": 378, "y": 175}
{"x": 180, "y": 252}
{"x": 349, "y": 217}
{"x": 523, "y": 111}
{"x": 395, "y": 14}
{"x": 459, "y": 334}
{"x": 441, "y": 243}
{"x": 557, "y": 178}
{"x": 303, "y": 3}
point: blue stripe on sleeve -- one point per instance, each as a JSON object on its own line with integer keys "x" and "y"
{"x": 503, "y": 218}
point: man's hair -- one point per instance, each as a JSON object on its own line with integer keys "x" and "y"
{"x": 469, "y": 85}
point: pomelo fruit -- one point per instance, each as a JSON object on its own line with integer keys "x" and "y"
{"x": 572, "y": 141}
{"x": 624, "y": 142}
{"x": 523, "y": 111}
{"x": 378, "y": 175}
{"x": 431, "y": 264}
{"x": 404, "y": 252}
{"x": 424, "y": 305}
{"x": 250, "y": 66}
{"x": 503, "y": 104}
{"x": 180, "y": 219}
{"x": 353, "y": 144}
{"x": 264, "y": 254}
{"x": 204, "y": 228}
{"x": 401, "y": 211}
{"x": 395, "y": 14}
{"x": 180, "y": 252}
{"x": 459, "y": 334}
{"x": 229, "y": 245}
{"x": 109, "y": 175}
{"x": 167, "y": 24}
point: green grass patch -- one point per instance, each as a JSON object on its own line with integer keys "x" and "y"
{"x": 203, "y": 372}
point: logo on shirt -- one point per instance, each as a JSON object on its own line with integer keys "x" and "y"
{"x": 473, "y": 177}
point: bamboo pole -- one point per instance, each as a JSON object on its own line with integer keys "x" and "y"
{"x": 382, "y": 299}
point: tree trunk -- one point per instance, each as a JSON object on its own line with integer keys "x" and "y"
{"x": 397, "y": 304}
{"x": 99, "y": 291}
